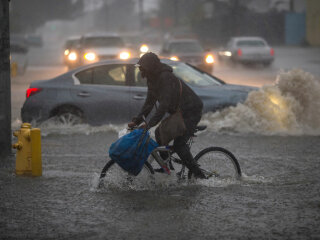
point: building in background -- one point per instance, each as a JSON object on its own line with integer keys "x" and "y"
{"x": 313, "y": 22}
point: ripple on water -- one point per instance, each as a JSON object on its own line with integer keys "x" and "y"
{"x": 120, "y": 180}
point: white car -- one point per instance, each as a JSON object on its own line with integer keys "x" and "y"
{"x": 70, "y": 52}
{"x": 97, "y": 47}
{"x": 247, "y": 50}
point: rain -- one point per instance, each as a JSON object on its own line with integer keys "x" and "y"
{"x": 254, "y": 64}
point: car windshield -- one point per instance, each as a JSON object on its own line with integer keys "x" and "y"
{"x": 132, "y": 39}
{"x": 103, "y": 42}
{"x": 250, "y": 43}
{"x": 193, "y": 76}
{"x": 72, "y": 43}
{"x": 180, "y": 47}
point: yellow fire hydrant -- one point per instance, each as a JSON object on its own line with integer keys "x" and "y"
{"x": 14, "y": 69}
{"x": 28, "y": 159}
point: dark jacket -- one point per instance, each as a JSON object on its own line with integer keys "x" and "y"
{"x": 164, "y": 88}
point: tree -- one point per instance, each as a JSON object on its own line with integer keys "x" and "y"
{"x": 27, "y": 15}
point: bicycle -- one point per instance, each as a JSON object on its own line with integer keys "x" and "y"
{"x": 215, "y": 162}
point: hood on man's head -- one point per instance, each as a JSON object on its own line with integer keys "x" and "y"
{"x": 149, "y": 61}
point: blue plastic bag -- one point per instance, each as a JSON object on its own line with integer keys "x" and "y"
{"x": 132, "y": 150}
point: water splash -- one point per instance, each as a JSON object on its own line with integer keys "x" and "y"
{"x": 50, "y": 127}
{"x": 16, "y": 124}
{"x": 254, "y": 179}
{"x": 291, "y": 106}
{"x": 94, "y": 183}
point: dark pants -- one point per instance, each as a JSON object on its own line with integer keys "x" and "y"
{"x": 191, "y": 119}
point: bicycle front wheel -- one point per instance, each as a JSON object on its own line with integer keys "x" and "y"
{"x": 218, "y": 162}
{"x": 114, "y": 174}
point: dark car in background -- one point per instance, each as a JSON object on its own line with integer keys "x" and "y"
{"x": 189, "y": 51}
{"x": 18, "y": 54}
{"x": 113, "y": 91}
{"x": 137, "y": 43}
{"x": 247, "y": 50}
{"x": 71, "y": 52}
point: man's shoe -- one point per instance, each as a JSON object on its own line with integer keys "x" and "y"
{"x": 200, "y": 175}
{"x": 197, "y": 173}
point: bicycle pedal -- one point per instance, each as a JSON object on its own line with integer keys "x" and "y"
{"x": 180, "y": 175}
{"x": 171, "y": 166}
{"x": 183, "y": 177}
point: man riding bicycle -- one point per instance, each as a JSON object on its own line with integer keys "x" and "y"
{"x": 164, "y": 88}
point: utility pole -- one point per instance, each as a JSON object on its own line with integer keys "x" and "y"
{"x": 235, "y": 17}
{"x": 176, "y": 13}
{"x": 291, "y": 5}
{"x": 141, "y": 14}
{"x": 5, "y": 88}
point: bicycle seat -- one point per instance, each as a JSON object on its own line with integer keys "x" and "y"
{"x": 200, "y": 128}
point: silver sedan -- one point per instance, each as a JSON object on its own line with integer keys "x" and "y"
{"x": 247, "y": 50}
{"x": 113, "y": 91}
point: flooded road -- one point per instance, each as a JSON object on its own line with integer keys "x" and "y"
{"x": 276, "y": 142}
{"x": 278, "y": 197}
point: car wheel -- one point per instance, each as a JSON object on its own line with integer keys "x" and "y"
{"x": 69, "y": 116}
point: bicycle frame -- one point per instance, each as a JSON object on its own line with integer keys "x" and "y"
{"x": 168, "y": 149}
{"x": 165, "y": 163}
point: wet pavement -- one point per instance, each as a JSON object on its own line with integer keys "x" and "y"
{"x": 278, "y": 197}
{"x": 276, "y": 142}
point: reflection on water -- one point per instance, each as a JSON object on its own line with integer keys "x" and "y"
{"x": 279, "y": 191}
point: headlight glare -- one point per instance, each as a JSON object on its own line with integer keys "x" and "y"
{"x": 66, "y": 52}
{"x": 209, "y": 59}
{"x": 144, "y": 48}
{"x": 90, "y": 56}
{"x": 72, "y": 56}
{"x": 228, "y": 54}
{"x": 124, "y": 55}
{"x": 174, "y": 58}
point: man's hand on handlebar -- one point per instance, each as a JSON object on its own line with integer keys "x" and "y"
{"x": 131, "y": 125}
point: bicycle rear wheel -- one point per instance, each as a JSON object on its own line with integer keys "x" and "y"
{"x": 218, "y": 162}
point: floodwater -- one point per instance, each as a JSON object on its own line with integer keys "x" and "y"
{"x": 278, "y": 196}
{"x": 274, "y": 135}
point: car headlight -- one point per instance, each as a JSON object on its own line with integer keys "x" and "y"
{"x": 90, "y": 56}
{"x": 174, "y": 58}
{"x": 144, "y": 48}
{"x": 72, "y": 56}
{"x": 228, "y": 53}
{"x": 124, "y": 55}
{"x": 209, "y": 59}
{"x": 66, "y": 52}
